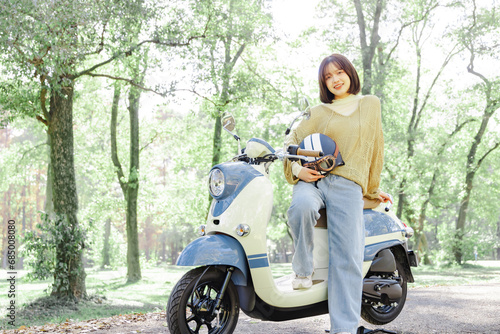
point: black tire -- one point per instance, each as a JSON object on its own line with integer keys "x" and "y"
{"x": 188, "y": 306}
{"x": 383, "y": 314}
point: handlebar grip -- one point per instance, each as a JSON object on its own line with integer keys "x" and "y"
{"x": 309, "y": 153}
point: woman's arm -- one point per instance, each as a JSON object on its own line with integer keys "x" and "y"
{"x": 377, "y": 158}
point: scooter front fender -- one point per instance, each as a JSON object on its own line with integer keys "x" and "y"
{"x": 217, "y": 249}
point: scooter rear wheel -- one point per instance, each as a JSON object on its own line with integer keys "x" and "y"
{"x": 383, "y": 314}
{"x": 189, "y": 309}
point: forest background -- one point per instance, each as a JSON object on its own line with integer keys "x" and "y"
{"x": 110, "y": 120}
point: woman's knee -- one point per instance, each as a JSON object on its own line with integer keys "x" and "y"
{"x": 300, "y": 210}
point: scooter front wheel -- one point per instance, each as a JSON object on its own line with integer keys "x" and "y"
{"x": 190, "y": 308}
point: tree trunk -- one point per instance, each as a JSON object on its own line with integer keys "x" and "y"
{"x": 49, "y": 205}
{"x": 462, "y": 216}
{"x": 498, "y": 239}
{"x": 148, "y": 238}
{"x": 473, "y": 164}
{"x": 368, "y": 49}
{"x": 130, "y": 187}
{"x": 163, "y": 251}
{"x": 401, "y": 198}
{"x": 423, "y": 249}
{"x": 133, "y": 263}
{"x": 217, "y": 141}
{"x": 71, "y": 282}
{"x": 421, "y": 243}
{"x": 106, "y": 256}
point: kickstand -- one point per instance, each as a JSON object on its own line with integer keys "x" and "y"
{"x": 362, "y": 330}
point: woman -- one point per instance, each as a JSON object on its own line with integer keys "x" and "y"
{"x": 354, "y": 123}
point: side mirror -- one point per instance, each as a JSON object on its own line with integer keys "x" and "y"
{"x": 228, "y": 122}
{"x": 303, "y": 103}
{"x": 305, "y": 107}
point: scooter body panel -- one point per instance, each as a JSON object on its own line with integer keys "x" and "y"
{"x": 252, "y": 207}
{"x": 238, "y": 175}
{"x": 258, "y": 191}
{"x": 216, "y": 249}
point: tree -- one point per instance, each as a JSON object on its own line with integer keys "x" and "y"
{"x": 483, "y": 22}
{"x": 421, "y": 239}
{"x": 129, "y": 185}
{"x": 106, "y": 256}
{"x": 368, "y": 49}
{"x": 52, "y": 44}
{"x": 237, "y": 25}
{"x": 421, "y": 27}
{"x": 498, "y": 238}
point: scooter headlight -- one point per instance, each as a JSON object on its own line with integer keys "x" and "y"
{"x": 216, "y": 182}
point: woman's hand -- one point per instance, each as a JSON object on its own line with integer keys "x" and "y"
{"x": 384, "y": 198}
{"x": 309, "y": 175}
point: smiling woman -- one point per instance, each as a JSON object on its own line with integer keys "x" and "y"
{"x": 354, "y": 123}
{"x": 337, "y": 79}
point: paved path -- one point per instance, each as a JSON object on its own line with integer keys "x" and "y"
{"x": 439, "y": 309}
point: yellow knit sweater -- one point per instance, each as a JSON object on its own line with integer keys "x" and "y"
{"x": 356, "y": 126}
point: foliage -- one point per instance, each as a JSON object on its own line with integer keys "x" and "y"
{"x": 54, "y": 233}
{"x": 183, "y": 97}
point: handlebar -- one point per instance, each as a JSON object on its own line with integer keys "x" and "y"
{"x": 296, "y": 150}
{"x": 309, "y": 153}
{"x": 389, "y": 204}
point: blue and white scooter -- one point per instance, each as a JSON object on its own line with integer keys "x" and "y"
{"x": 232, "y": 265}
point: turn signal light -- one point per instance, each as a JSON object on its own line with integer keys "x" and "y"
{"x": 409, "y": 232}
{"x": 242, "y": 230}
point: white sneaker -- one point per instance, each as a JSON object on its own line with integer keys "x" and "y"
{"x": 301, "y": 282}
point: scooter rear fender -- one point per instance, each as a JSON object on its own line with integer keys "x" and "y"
{"x": 399, "y": 250}
{"x": 217, "y": 249}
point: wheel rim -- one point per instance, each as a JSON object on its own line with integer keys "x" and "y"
{"x": 199, "y": 316}
{"x": 383, "y": 309}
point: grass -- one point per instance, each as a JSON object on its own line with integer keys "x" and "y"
{"x": 110, "y": 295}
{"x": 469, "y": 273}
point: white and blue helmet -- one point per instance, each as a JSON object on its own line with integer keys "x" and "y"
{"x": 331, "y": 155}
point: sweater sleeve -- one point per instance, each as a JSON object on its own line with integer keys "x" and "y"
{"x": 304, "y": 128}
{"x": 377, "y": 159}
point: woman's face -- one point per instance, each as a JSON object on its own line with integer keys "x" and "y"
{"x": 337, "y": 81}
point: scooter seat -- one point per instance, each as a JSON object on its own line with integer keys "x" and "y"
{"x": 368, "y": 204}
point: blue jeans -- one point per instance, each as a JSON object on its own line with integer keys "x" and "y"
{"x": 343, "y": 201}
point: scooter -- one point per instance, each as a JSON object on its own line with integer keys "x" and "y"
{"x": 232, "y": 265}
